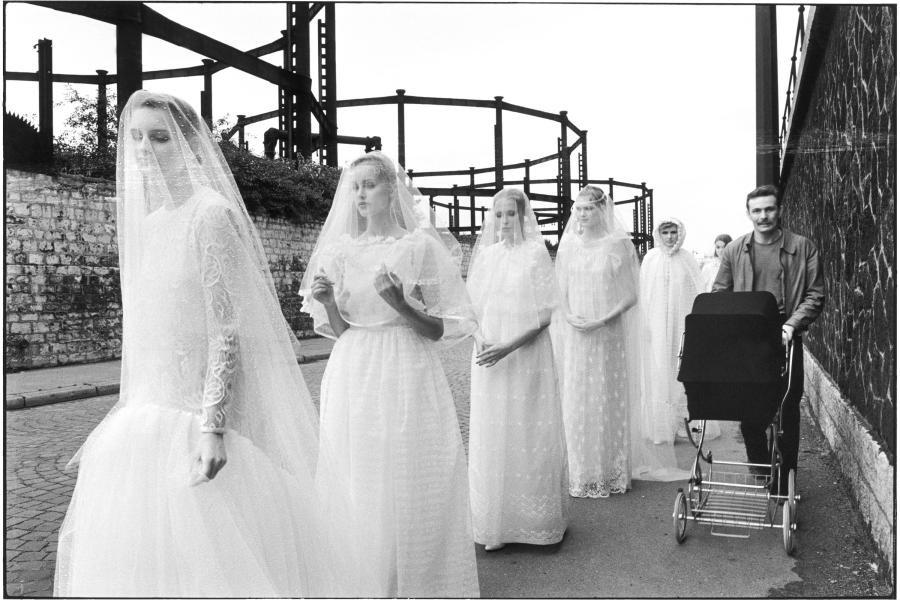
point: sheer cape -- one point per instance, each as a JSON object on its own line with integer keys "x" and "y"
{"x": 430, "y": 276}
{"x": 670, "y": 279}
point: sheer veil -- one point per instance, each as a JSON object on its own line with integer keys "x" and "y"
{"x": 507, "y": 250}
{"x": 431, "y": 279}
{"x": 176, "y": 168}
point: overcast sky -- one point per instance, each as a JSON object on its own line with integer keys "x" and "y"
{"x": 666, "y": 92}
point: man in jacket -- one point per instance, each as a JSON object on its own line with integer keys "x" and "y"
{"x": 773, "y": 259}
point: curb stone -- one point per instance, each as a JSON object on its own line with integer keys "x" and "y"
{"x": 85, "y": 390}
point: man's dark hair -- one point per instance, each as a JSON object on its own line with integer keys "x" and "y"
{"x": 765, "y": 190}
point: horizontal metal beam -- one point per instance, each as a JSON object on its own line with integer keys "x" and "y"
{"x": 111, "y": 79}
{"x": 57, "y": 77}
{"x": 156, "y": 25}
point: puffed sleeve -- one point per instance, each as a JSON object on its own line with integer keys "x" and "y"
{"x": 432, "y": 278}
{"x": 329, "y": 260}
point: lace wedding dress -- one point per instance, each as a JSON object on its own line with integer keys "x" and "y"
{"x": 205, "y": 351}
{"x": 135, "y": 527}
{"x": 599, "y": 382}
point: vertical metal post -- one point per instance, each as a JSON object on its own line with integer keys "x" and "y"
{"x": 611, "y": 190}
{"x": 285, "y": 100}
{"x": 330, "y": 93}
{"x": 650, "y": 225}
{"x": 498, "y": 143}
{"x": 564, "y": 166}
{"x": 584, "y": 159}
{"x": 102, "y": 133}
{"x": 767, "y": 146}
{"x": 455, "y": 209}
{"x": 45, "y": 95}
{"x": 643, "y": 225}
{"x": 401, "y": 128}
{"x": 240, "y": 124}
{"x": 206, "y": 95}
{"x": 300, "y": 65}
{"x": 472, "y": 200}
{"x": 129, "y": 59}
{"x": 527, "y": 181}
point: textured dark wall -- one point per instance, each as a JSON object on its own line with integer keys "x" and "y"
{"x": 839, "y": 192}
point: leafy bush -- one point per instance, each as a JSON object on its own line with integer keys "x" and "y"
{"x": 299, "y": 192}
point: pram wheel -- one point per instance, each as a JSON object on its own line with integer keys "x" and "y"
{"x": 680, "y": 515}
{"x": 788, "y": 529}
{"x": 792, "y": 494}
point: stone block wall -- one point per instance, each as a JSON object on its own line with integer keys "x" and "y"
{"x": 63, "y": 300}
{"x": 840, "y": 192}
{"x": 288, "y": 247}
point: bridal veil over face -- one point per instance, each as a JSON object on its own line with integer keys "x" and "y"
{"x": 205, "y": 348}
{"x": 169, "y": 161}
{"x": 510, "y": 234}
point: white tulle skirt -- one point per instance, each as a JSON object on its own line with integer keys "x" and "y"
{"x": 387, "y": 414}
{"x": 136, "y": 528}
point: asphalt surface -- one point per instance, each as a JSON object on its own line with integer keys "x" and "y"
{"x": 618, "y": 547}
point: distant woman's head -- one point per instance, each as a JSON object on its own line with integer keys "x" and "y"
{"x": 590, "y": 207}
{"x": 509, "y": 213}
{"x": 721, "y": 241}
{"x": 668, "y": 233}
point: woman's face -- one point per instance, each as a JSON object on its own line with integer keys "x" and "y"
{"x": 372, "y": 194}
{"x": 669, "y": 235}
{"x": 507, "y": 215}
{"x": 720, "y": 245}
{"x": 153, "y": 138}
{"x": 588, "y": 213}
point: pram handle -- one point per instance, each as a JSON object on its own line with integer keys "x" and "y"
{"x": 789, "y": 367}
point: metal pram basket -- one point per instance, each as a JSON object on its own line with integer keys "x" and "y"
{"x": 734, "y": 367}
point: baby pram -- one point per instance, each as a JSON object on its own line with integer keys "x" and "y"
{"x": 734, "y": 367}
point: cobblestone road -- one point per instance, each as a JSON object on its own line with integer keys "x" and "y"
{"x": 618, "y": 547}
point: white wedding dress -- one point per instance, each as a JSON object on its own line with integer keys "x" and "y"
{"x": 599, "y": 380}
{"x": 517, "y": 451}
{"x": 134, "y": 526}
{"x": 387, "y": 411}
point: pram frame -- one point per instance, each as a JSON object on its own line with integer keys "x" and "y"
{"x": 747, "y": 502}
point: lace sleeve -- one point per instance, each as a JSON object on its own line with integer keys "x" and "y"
{"x": 217, "y": 242}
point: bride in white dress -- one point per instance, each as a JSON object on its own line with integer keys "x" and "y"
{"x": 381, "y": 281}
{"x": 597, "y": 351}
{"x": 517, "y": 450}
{"x": 200, "y": 481}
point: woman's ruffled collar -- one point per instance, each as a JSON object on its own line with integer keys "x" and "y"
{"x": 372, "y": 240}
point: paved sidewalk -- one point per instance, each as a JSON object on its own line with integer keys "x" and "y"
{"x": 38, "y": 387}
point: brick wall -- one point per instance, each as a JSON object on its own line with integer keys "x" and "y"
{"x": 63, "y": 302}
{"x": 62, "y": 277}
{"x": 840, "y": 192}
